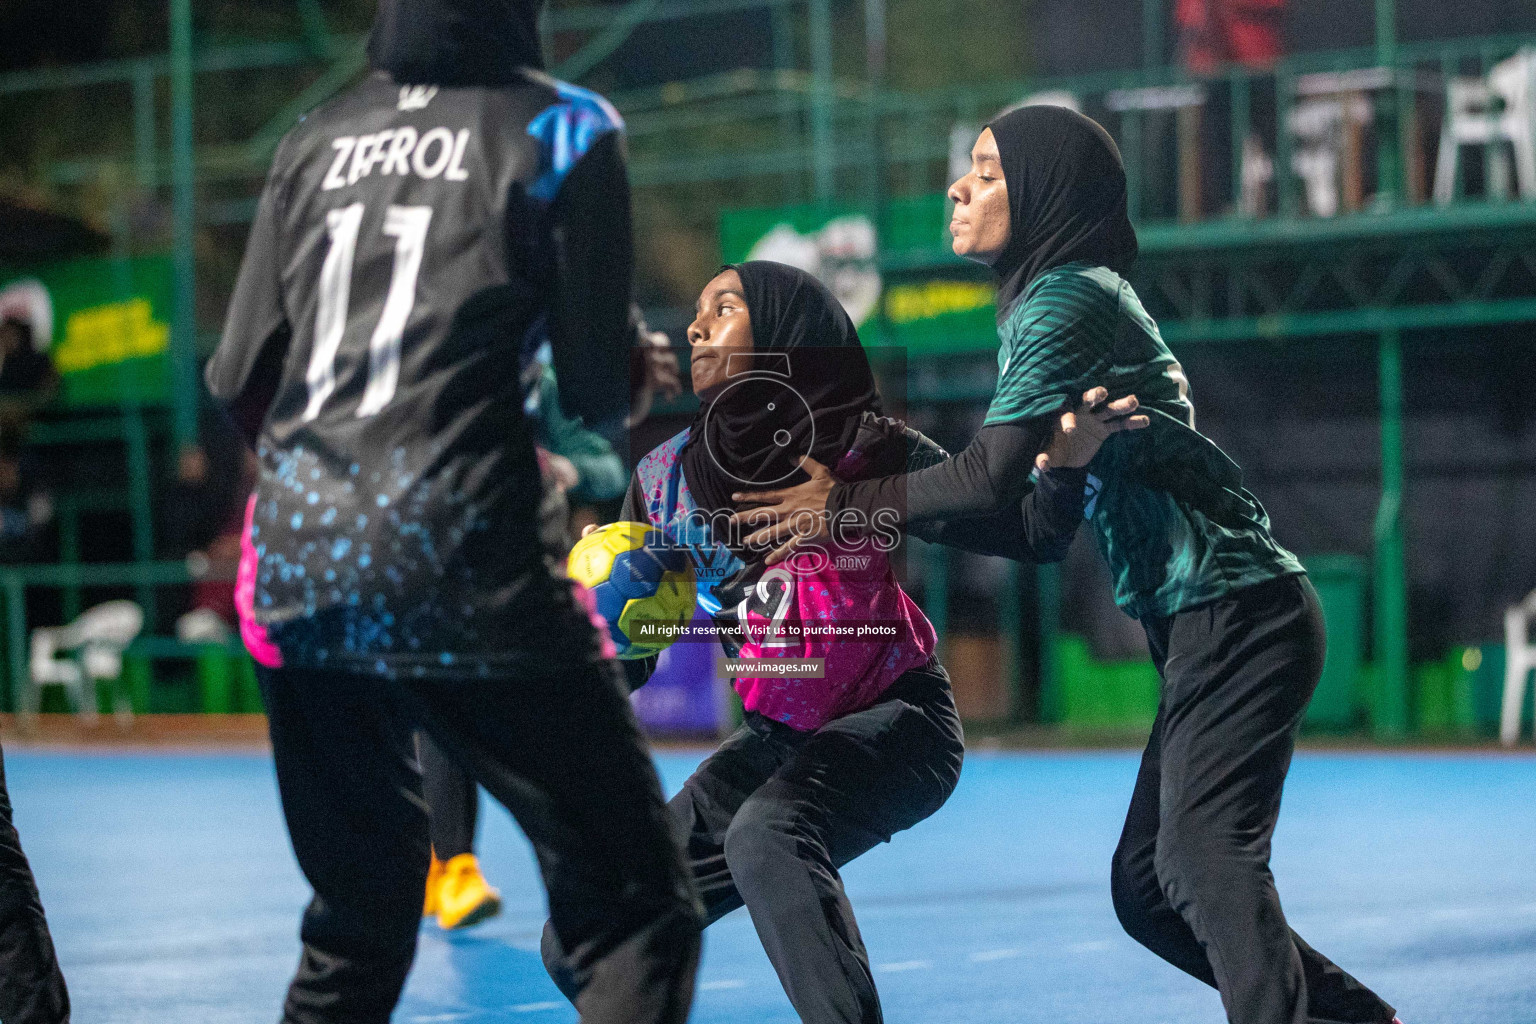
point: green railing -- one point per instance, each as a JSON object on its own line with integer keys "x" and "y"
{"x": 131, "y": 428}
{"x": 787, "y": 134}
{"x": 770, "y": 116}
{"x": 142, "y": 577}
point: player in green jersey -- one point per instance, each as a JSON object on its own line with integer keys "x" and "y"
{"x": 1233, "y": 625}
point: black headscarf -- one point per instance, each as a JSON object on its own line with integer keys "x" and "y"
{"x": 756, "y": 433}
{"x": 1066, "y": 196}
{"x": 456, "y": 42}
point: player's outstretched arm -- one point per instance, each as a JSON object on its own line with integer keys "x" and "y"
{"x": 1041, "y": 527}
{"x": 989, "y": 478}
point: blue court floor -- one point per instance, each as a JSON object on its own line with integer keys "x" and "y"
{"x": 175, "y": 900}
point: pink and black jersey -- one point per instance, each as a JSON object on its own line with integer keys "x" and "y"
{"x": 843, "y": 607}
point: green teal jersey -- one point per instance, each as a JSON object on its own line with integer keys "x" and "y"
{"x": 599, "y": 469}
{"x": 1171, "y": 515}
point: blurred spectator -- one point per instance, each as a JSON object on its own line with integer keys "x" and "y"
{"x": 1215, "y": 33}
{"x": 1213, "y": 36}
{"x": 27, "y": 383}
{"x": 210, "y": 484}
{"x": 27, "y": 377}
{"x": 217, "y": 560}
{"x": 25, "y": 510}
{"x": 201, "y": 521}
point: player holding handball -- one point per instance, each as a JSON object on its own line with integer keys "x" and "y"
{"x": 850, "y": 733}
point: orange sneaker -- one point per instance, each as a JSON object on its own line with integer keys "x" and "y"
{"x": 434, "y": 883}
{"x": 464, "y": 897}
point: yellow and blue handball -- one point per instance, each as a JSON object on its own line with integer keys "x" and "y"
{"x": 643, "y": 585}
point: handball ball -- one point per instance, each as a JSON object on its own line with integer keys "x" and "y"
{"x": 644, "y": 587}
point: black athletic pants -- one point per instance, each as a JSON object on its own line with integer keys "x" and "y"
{"x": 453, "y": 800}
{"x": 1191, "y": 878}
{"x": 31, "y": 987}
{"x": 560, "y": 748}
{"x": 769, "y": 818}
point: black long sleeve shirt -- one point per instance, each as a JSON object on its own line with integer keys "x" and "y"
{"x": 982, "y": 500}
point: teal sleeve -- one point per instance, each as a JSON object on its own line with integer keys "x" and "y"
{"x": 599, "y": 470}
{"x": 1061, "y": 344}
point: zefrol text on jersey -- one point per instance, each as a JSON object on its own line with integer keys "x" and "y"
{"x": 437, "y": 152}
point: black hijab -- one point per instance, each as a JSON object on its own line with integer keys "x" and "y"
{"x": 1066, "y": 196}
{"x": 809, "y": 385}
{"x": 456, "y": 42}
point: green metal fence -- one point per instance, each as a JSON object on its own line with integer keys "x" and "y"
{"x": 789, "y": 133}
{"x": 221, "y": 669}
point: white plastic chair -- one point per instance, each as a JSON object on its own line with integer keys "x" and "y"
{"x": 203, "y": 626}
{"x": 99, "y": 637}
{"x": 48, "y": 669}
{"x": 1519, "y": 662}
{"x": 1258, "y": 172}
{"x": 1493, "y": 112}
{"x": 1318, "y": 126}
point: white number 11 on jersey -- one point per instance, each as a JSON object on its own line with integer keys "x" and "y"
{"x": 408, "y": 226}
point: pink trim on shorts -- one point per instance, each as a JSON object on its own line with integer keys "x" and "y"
{"x": 252, "y": 632}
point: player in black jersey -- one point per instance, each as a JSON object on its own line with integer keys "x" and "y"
{"x": 574, "y": 461}
{"x": 418, "y": 237}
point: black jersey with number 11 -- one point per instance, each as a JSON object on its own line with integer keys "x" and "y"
{"x": 413, "y": 247}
